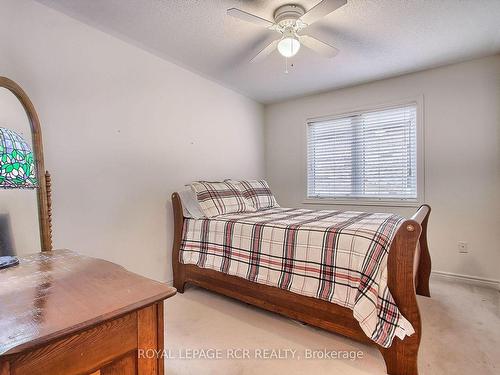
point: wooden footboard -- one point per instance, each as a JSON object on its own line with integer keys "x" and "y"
{"x": 408, "y": 264}
{"x": 408, "y": 274}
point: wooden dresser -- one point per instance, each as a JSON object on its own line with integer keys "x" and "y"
{"x": 65, "y": 314}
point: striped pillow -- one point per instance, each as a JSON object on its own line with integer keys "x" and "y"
{"x": 257, "y": 191}
{"x": 218, "y": 198}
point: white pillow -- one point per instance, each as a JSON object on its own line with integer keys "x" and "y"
{"x": 219, "y": 198}
{"x": 257, "y": 191}
{"x": 190, "y": 206}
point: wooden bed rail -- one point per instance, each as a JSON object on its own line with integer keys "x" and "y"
{"x": 177, "y": 268}
{"x": 424, "y": 262}
{"x": 408, "y": 270}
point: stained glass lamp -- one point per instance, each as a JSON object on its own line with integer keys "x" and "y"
{"x": 17, "y": 171}
{"x": 17, "y": 164}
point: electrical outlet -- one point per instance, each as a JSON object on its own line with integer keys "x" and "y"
{"x": 463, "y": 247}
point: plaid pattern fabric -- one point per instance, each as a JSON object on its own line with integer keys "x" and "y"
{"x": 340, "y": 257}
{"x": 217, "y": 198}
{"x": 257, "y": 191}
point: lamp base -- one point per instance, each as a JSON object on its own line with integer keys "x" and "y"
{"x": 8, "y": 261}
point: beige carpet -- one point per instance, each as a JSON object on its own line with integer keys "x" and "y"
{"x": 461, "y": 335}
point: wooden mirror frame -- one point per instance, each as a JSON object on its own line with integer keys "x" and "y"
{"x": 43, "y": 176}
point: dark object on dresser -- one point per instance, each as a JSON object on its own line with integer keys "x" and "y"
{"x": 6, "y": 238}
{"x": 7, "y": 258}
{"x": 8, "y": 261}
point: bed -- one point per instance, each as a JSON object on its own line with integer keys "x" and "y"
{"x": 238, "y": 255}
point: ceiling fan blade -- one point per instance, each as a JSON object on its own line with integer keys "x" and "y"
{"x": 245, "y": 16}
{"x": 266, "y": 51}
{"x": 321, "y": 9}
{"x": 318, "y": 46}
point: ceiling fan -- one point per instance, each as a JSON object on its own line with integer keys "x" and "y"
{"x": 289, "y": 21}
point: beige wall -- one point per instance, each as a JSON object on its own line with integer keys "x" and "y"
{"x": 462, "y": 155}
{"x": 122, "y": 130}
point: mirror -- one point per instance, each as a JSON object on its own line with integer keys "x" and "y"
{"x": 19, "y": 232}
{"x": 25, "y": 212}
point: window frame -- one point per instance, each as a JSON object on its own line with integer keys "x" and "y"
{"x": 362, "y": 201}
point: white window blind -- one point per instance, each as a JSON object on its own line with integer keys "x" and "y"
{"x": 370, "y": 155}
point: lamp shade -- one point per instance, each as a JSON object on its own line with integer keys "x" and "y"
{"x": 17, "y": 165}
{"x": 288, "y": 46}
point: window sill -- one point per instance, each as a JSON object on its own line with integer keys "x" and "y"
{"x": 362, "y": 202}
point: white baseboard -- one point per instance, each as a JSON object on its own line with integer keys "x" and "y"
{"x": 170, "y": 282}
{"x": 473, "y": 280}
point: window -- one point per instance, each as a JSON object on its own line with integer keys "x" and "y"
{"x": 369, "y": 155}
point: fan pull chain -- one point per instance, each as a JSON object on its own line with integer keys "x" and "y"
{"x": 286, "y": 65}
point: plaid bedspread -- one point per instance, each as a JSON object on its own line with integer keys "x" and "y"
{"x": 335, "y": 256}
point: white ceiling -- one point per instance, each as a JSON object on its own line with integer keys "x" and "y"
{"x": 376, "y": 38}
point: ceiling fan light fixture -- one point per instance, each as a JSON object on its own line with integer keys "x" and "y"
{"x": 288, "y": 46}
{"x": 289, "y": 21}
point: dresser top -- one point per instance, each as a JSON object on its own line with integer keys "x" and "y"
{"x": 54, "y": 293}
